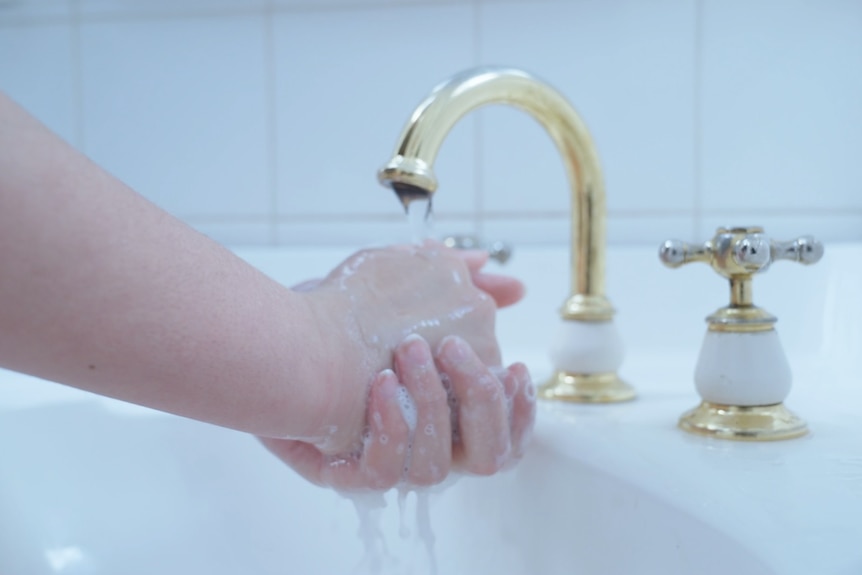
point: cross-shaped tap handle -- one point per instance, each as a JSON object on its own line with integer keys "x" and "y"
{"x": 737, "y": 254}
{"x": 741, "y": 252}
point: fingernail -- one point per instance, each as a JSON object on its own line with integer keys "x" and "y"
{"x": 454, "y": 349}
{"x": 417, "y": 349}
{"x": 387, "y": 384}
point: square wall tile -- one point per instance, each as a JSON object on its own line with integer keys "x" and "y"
{"x": 14, "y": 12}
{"x": 177, "y": 109}
{"x": 347, "y": 82}
{"x": 628, "y": 68}
{"x": 36, "y": 70}
{"x": 782, "y": 120}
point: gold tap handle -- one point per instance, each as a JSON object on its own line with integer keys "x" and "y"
{"x": 737, "y": 254}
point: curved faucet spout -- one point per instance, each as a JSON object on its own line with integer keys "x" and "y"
{"x": 410, "y": 172}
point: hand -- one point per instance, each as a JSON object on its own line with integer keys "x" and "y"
{"x": 371, "y": 303}
{"x": 428, "y": 420}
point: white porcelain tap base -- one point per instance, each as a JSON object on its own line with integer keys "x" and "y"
{"x": 742, "y": 369}
{"x": 587, "y": 347}
{"x": 586, "y": 355}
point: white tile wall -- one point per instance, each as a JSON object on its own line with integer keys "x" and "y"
{"x": 346, "y": 83}
{"x": 37, "y": 70}
{"x": 25, "y": 11}
{"x": 628, "y": 68}
{"x": 177, "y": 108}
{"x": 264, "y": 121}
{"x": 782, "y": 105}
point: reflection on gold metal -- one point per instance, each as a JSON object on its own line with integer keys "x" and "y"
{"x": 741, "y": 319}
{"x": 755, "y": 423}
{"x": 587, "y": 307}
{"x": 410, "y": 172}
{"x": 586, "y": 388}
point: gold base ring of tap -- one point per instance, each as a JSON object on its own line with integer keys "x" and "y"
{"x": 743, "y": 423}
{"x": 586, "y": 388}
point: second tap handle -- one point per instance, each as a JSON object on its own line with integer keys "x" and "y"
{"x": 804, "y": 249}
{"x": 674, "y": 253}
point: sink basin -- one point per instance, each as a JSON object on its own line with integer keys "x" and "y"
{"x": 94, "y": 485}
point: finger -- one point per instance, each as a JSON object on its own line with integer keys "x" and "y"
{"x": 380, "y": 466}
{"x": 523, "y": 408}
{"x": 505, "y": 290}
{"x": 432, "y": 437}
{"x": 387, "y": 445}
{"x": 483, "y": 419}
{"x": 475, "y": 259}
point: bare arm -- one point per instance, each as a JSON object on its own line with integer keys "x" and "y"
{"x": 102, "y": 290}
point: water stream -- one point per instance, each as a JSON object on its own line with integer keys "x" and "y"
{"x": 419, "y": 220}
{"x": 378, "y": 559}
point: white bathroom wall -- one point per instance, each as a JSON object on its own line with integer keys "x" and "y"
{"x": 264, "y": 121}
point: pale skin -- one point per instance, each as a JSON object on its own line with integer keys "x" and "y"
{"x": 102, "y": 290}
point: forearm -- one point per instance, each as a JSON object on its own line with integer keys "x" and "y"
{"x": 101, "y": 290}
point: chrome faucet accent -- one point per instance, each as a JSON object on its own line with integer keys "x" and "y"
{"x": 497, "y": 250}
{"x": 588, "y": 351}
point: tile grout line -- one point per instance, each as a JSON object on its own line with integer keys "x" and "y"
{"x": 697, "y": 144}
{"x": 478, "y": 148}
{"x": 107, "y": 16}
{"x": 338, "y": 218}
{"x": 75, "y": 54}
{"x": 272, "y": 119}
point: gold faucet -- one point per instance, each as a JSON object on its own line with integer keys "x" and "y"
{"x": 587, "y": 359}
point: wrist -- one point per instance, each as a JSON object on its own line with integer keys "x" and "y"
{"x": 340, "y": 370}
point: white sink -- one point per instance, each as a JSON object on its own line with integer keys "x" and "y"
{"x": 91, "y": 485}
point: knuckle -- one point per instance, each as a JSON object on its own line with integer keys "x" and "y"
{"x": 486, "y": 389}
{"x": 432, "y": 398}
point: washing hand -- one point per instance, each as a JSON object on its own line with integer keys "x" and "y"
{"x": 113, "y": 295}
{"x": 453, "y": 409}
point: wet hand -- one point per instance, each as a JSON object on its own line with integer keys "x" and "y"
{"x": 435, "y": 413}
{"x": 374, "y": 300}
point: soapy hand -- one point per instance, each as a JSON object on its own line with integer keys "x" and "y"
{"x": 114, "y": 296}
{"x": 426, "y": 419}
{"x": 393, "y": 307}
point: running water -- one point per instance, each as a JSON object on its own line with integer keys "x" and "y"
{"x": 413, "y": 519}
{"x": 419, "y": 219}
{"x": 370, "y": 506}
